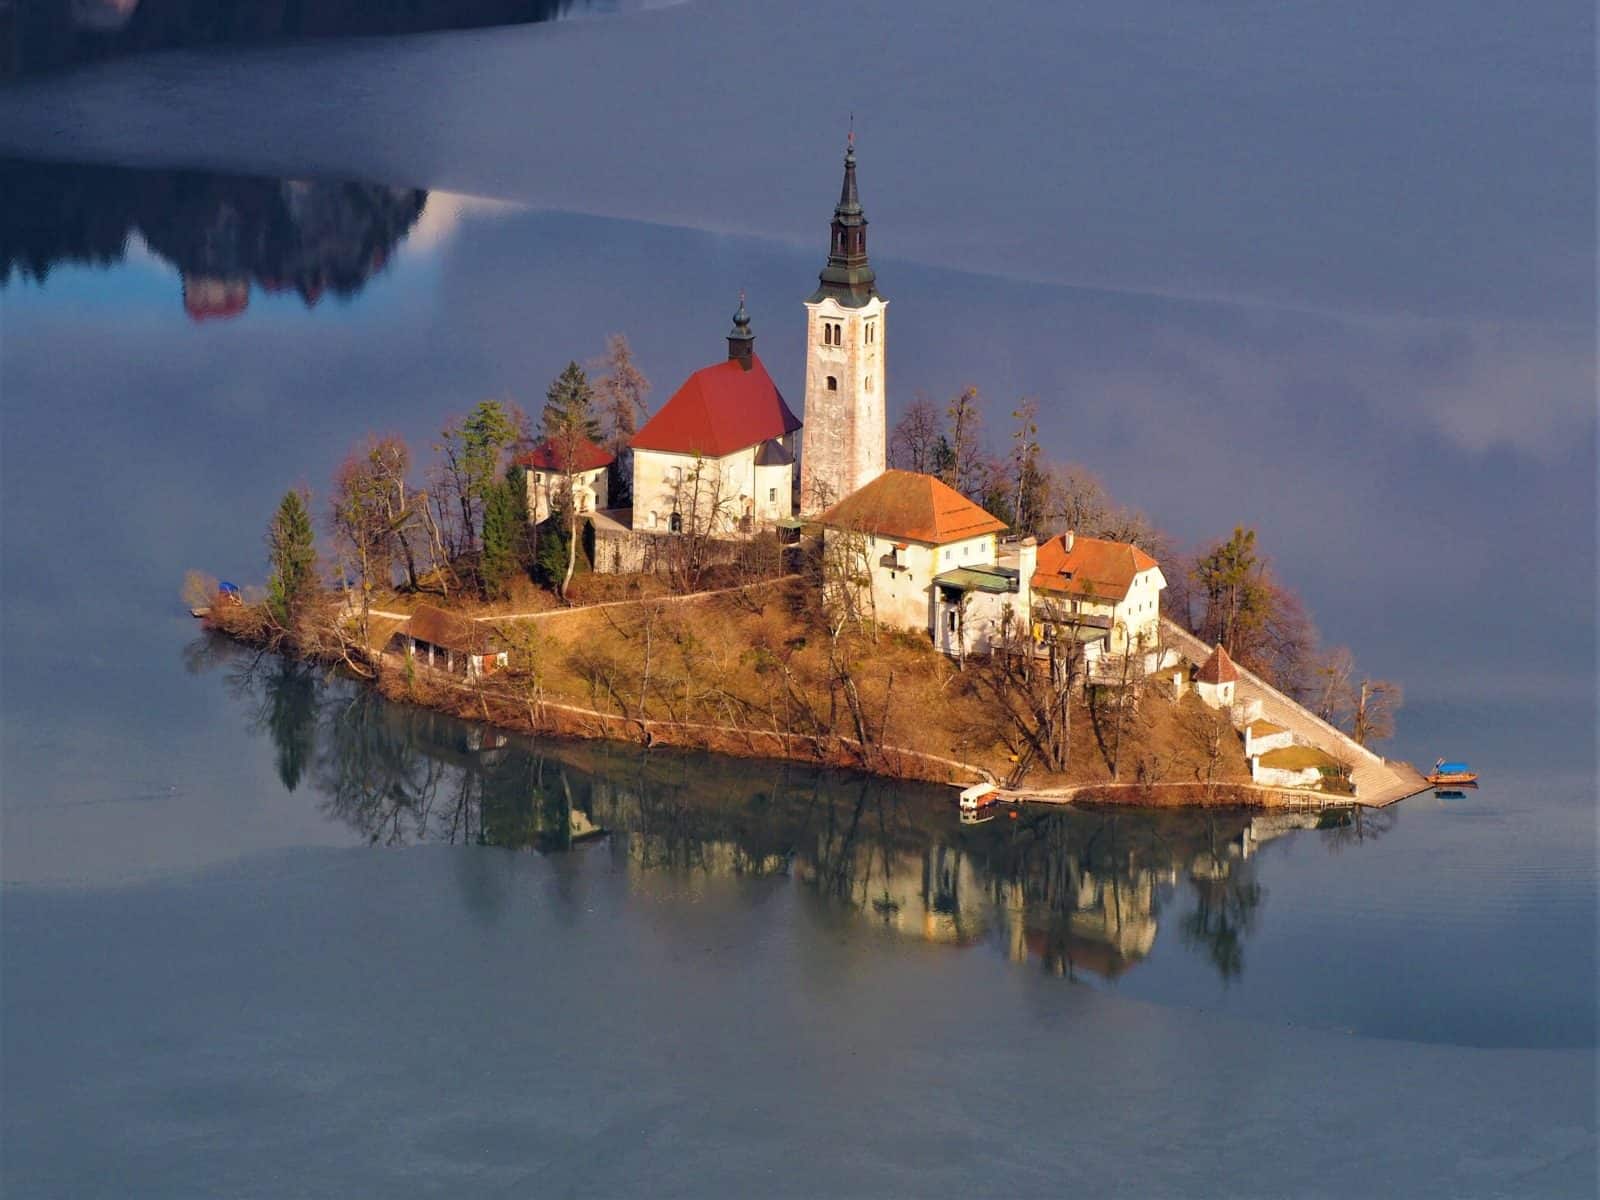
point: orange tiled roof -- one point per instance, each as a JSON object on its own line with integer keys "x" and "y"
{"x": 1093, "y": 567}
{"x": 1218, "y": 668}
{"x": 919, "y": 508}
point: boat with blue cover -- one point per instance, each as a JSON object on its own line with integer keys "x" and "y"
{"x": 1452, "y": 774}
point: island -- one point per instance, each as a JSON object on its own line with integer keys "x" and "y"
{"x": 720, "y": 574}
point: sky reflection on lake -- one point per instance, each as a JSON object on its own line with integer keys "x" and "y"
{"x": 1325, "y": 270}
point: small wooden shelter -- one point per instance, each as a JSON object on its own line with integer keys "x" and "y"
{"x": 451, "y": 642}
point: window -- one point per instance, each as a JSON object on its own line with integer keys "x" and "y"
{"x": 869, "y": 383}
{"x": 675, "y": 522}
{"x": 950, "y": 620}
{"x": 675, "y": 476}
{"x": 872, "y": 332}
{"x": 833, "y": 384}
{"x": 655, "y": 520}
{"x": 827, "y": 334}
{"x": 772, "y": 495}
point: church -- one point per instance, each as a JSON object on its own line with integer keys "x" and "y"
{"x": 727, "y": 457}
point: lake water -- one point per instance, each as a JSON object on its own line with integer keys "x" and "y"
{"x": 1325, "y": 270}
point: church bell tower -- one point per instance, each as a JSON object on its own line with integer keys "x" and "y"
{"x": 845, "y": 426}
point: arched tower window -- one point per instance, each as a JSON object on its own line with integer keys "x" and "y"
{"x": 833, "y": 384}
{"x": 675, "y": 522}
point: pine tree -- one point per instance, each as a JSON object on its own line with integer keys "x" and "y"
{"x": 501, "y": 533}
{"x": 292, "y": 547}
{"x": 523, "y": 542}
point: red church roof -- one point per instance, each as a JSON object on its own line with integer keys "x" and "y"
{"x": 719, "y": 410}
{"x": 1218, "y": 668}
{"x": 545, "y": 457}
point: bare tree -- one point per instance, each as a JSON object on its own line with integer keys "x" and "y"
{"x": 1208, "y": 729}
{"x": 1032, "y": 692}
{"x": 1028, "y": 487}
{"x": 913, "y": 443}
{"x": 1332, "y": 677}
{"x": 964, "y": 471}
{"x": 1129, "y": 689}
{"x": 704, "y": 515}
{"x": 620, "y": 391}
{"x": 1372, "y": 719}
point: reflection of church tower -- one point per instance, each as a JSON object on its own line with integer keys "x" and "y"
{"x": 844, "y": 417}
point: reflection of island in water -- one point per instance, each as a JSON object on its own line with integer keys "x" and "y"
{"x": 1081, "y": 892}
{"x": 225, "y": 234}
{"x": 45, "y": 35}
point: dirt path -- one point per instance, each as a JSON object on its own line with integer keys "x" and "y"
{"x": 488, "y": 618}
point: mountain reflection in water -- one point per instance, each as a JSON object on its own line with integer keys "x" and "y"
{"x": 1082, "y": 892}
{"x": 225, "y": 234}
{"x": 45, "y": 35}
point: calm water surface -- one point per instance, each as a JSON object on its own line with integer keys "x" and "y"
{"x": 263, "y": 935}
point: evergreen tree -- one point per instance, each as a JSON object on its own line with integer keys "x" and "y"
{"x": 501, "y": 533}
{"x": 522, "y": 550}
{"x": 291, "y": 545}
{"x": 290, "y": 716}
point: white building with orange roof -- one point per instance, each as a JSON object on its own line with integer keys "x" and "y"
{"x": 1103, "y": 590}
{"x": 908, "y": 534}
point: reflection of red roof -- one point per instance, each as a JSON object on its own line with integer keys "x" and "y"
{"x": 206, "y": 299}
{"x": 719, "y": 410}
{"x": 907, "y": 504}
{"x": 547, "y": 457}
{"x": 1093, "y": 567}
{"x": 1218, "y": 668}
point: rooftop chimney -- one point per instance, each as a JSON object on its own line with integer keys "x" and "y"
{"x": 1068, "y": 538}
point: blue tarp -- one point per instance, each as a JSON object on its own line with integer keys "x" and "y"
{"x": 225, "y": 586}
{"x": 1451, "y": 768}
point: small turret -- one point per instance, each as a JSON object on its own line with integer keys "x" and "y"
{"x": 741, "y": 342}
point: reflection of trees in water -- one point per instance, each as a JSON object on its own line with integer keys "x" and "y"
{"x": 50, "y": 34}
{"x": 1080, "y": 891}
{"x": 223, "y": 233}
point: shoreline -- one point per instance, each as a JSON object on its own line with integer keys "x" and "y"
{"x": 400, "y": 681}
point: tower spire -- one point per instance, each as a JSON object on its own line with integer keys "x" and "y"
{"x": 848, "y": 277}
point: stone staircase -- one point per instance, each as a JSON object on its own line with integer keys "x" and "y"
{"x": 1378, "y": 782}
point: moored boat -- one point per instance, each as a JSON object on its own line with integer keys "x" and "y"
{"x": 1452, "y": 774}
{"x": 978, "y": 803}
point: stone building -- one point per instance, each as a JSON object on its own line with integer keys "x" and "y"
{"x": 846, "y": 425}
